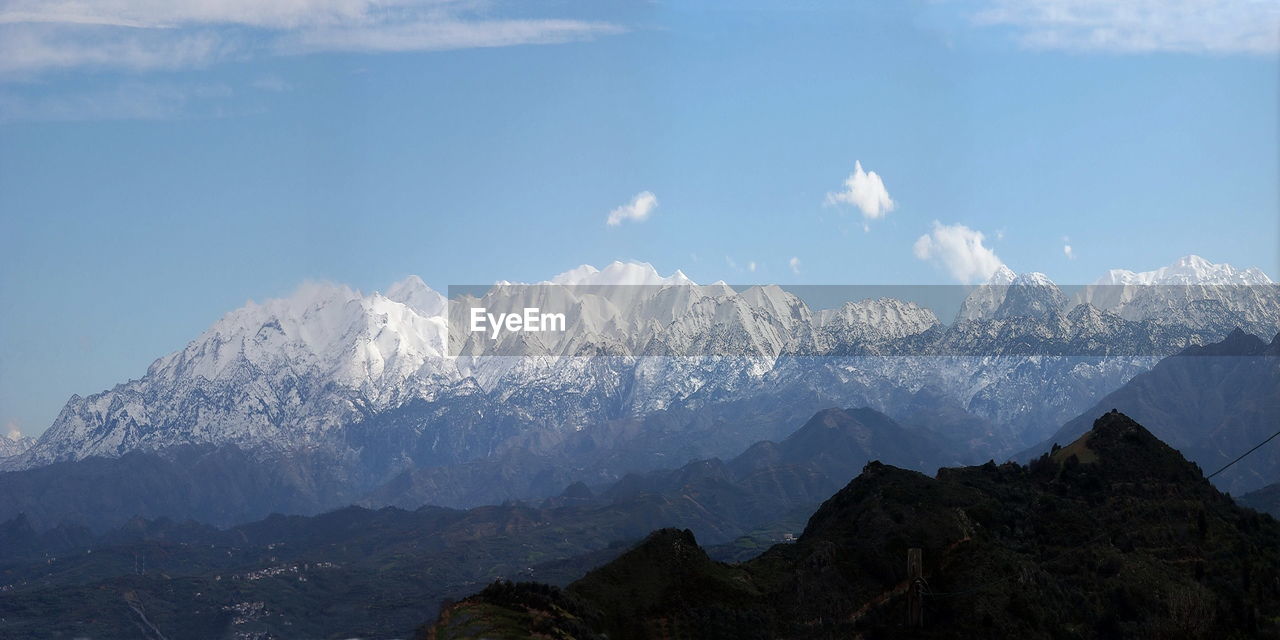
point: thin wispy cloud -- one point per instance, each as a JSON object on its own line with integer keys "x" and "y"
{"x": 139, "y": 35}
{"x": 131, "y": 100}
{"x": 959, "y": 250}
{"x": 638, "y": 210}
{"x": 866, "y": 191}
{"x": 439, "y": 35}
{"x": 794, "y": 263}
{"x": 1140, "y": 26}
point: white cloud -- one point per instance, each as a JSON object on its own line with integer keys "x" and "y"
{"x": 12, "y": 430}
{"x": 864, "y": 190}
{"x": 958, "y": 249}
{"x": 794, "y": 263}
{"x": 1138, "y": 26}
{"x": 27, "y": 48}
{"x": 1066, "y": 248}
{"x": 751, "y": 266}
{"x": 639, "y": 209}
{"x": 43, "y": 35}
{"x": 437, "y": 35}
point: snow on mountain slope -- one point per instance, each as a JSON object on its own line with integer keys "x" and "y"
{"x": 1190, "y": 291}
{"x": 983, "y": 301}
{"x": 277, "y": 374}
{"x": 415, "y": 294}
{"x": 619, "y": 273}
{"x": 1188, "y": 270}
{"x": 14, "y": 443}
{"x": 295, "y": 372}
{"x": 1007, "y": 294}
{"x": 875, "y": 320}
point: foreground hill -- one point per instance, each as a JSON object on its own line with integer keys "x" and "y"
{"x": 1115, "y": 535}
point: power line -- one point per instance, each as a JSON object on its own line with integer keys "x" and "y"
{"x": 1255, "y": 448}
{"x": 1097, "y": 538}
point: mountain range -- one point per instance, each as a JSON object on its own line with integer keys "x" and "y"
{"x": 192, "y": 580}
{"x": 338, "y": 396}
{"x": 360, "y": 572}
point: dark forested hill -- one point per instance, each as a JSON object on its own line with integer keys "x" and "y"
{"x": 1114, "y": 535}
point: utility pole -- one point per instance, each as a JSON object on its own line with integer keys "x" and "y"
{"x": 915, "y": 588}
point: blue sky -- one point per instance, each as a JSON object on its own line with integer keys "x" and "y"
{"x": 160, "y": 163}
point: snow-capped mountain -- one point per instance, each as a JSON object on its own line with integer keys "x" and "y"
{"x": 1188, "y": 270}
{"x": 1191, "y": 291}
{"x": 983, "y": 301}
{"x": 384, "y": 382}
{"x": 279, "y": 374}
{"x": 14, "y": 443}
{"x": 1031, "y": 295}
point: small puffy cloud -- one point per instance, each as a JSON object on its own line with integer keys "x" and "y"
{"x": 864, "y": 190}
{"x": 638, "y": 210}
{"x": 958, "y": 249}
{"x": 794, "y": 263}
{"x": 12, "y": 431}
{"x": 1066, "y": 248}
{"x": 751, "y": 266}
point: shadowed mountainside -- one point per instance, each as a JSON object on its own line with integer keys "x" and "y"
{"x": 1266, "y": 499}
{"x": 1115, "y": 535}
{"x": 1212, "y": 403}
{"x": 316, "y": 576}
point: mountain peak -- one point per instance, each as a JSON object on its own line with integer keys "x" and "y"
{"x": 619, "y": 273}
{"x": 14, "y": 443}
{"x": 1002, "y": 275}
{"x": 1237, "y": 343}
{"x": 415, "y": 294}
{"x": 1033, "y": 279}
{"x": 1193, "y": 261}
{"x": 1007, "y": 294}
{"x": 1126, "y": 451}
